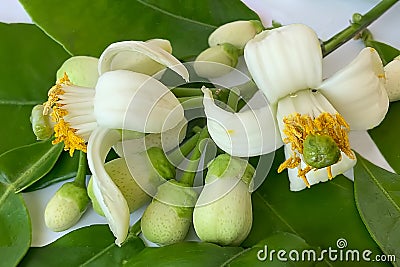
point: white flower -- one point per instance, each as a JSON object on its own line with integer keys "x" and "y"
{"x": 121, "y": 99}
{"x": 286, "y": 65}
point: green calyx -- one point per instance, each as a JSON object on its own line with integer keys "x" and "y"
{"x": 320, "y": 151}
{"x": 227, "y": 166}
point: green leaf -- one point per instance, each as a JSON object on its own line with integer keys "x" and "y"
{"x": 87, "y": 29}
{"x": 320, "y": 215}
{"x": 22, "y": 166}
{"x": 377, "y": 194}
{"x": 386, "y": 138}
{"x": 385, "y": 51}
{"x": 65, "y": 168}
{"x": 265, "y": 252}
{"x": 29, "y": 60}
{"x": 88, "y": 246}
{"x": 15, "y": 227}
{"x": 182, "y": 254}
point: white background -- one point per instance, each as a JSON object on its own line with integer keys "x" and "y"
{"x": 325, "y": 17}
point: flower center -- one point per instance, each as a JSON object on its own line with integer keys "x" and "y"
{"x": 319, "y": 141}
{"x": 62, "y": 129}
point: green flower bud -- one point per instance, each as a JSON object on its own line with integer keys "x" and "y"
{"x": 320, "y": 151}
{"x": 42, "y": 125}
{"x": 237, "y": 33}
{"x": 81, "y": 70}
{"x": 216, "y": 61}
{"x": 168, "y": 217}
{"x": 66, "y": 207}
{"x": 121, "y": 176}
{"x": 223, "y": 212}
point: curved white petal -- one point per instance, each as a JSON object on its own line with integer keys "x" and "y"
{"x": 149, "y": 49}
{"x": 357, "y": 91}
{"x": 284, "y": 60}
{"x": 167, "y": 140}
{"x": 81, "y": 71}
{"x": 135, "y": 101}
{"x": 110, "y": 198}
{"x": 244, "y": 134}
{"x": 320, "y": 175}
{"x": 392, "y": 74}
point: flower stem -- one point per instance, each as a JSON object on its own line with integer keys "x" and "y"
{"x": 80, "y": 178}
{"x": 135, "y": 229}
{"x": 358, "y": 24}
{"x": 176, "y": 156}
{"x": 191, "y": 169}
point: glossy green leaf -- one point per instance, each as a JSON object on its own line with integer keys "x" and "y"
{"x": 15, "y": 227}
{"x": 88, "y": 246}
{"x": 386, "y": 138}
{"x": 87, "y": 29}
{"x": 22, "y": 166}
{"x": 191, "y": 254}
{"x": 29, "y": 60}
{"x": 65, "y": 168}
{"x": 377, "y": 194}
{"x": 265, "y": 252}
{"x": 320, "y": 215}
{"x": 385, "y": 51}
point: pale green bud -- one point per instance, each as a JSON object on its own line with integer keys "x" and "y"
{"x": 216, "y": 61}
{"x": 66, "y": 207}
{"x": 168, "y": 217}
{"x": 42, "y": 125}
{"x": 392, "y": 82}
{"x": 223, "y": 212}
{"x": 237, "y": 33}
{"x": 81, "y": 71}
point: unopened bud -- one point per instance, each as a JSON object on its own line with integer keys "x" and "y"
{"x": 168, "y": 217}
{"x": 66, "y": 207}
{"x": 216, "y": 61}
{"x": 42, "y": 125}
{"x": 392, "y": 74}
{"x": 237, "y": 33}
{"x": 223, "y": 212}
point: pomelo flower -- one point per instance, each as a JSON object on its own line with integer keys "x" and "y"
{"x": 311, "y": 115}
{"x": 121, "y": 99}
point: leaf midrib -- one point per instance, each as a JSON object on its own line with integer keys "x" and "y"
{"x": 176, "y": 16}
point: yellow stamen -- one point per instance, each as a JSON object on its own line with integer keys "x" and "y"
{"x": 62, "y": 129}
{"x": 298, "y": 127}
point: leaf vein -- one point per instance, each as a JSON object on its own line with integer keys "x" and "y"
{"x": 176, "y": 16}
{"x": 18, "y": 103}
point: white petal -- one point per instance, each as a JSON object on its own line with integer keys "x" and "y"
{"x": 110, "y": 198}
{"x": 81, "y": 70}
{"x": 320, "y": 175}
{"x": 358, "y": 92}
{"x": 284, "y": 60}
{"x": 167, "y": 140}
{"x": 244, "y": 134}
{"x": 149, "y": 49}
{"x": 392, "y": 73}
{"x": 135, "y": 101}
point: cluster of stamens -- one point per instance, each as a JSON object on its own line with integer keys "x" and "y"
{"x": 297, "y": 127}
{"x": 62, "y": 130}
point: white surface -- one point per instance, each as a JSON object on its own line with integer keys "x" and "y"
{"x": 325, "y": 17}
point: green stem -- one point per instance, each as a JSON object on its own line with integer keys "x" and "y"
{"x": 176, "y": 156}
{"x": 190, "y": 172}
{"x": 188, "y": 92}
{"x": 80, "y": 179}
{"x": 191, "y": 102}
{"x": 359, "y": 24}
{"x": 135, "y": 229}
